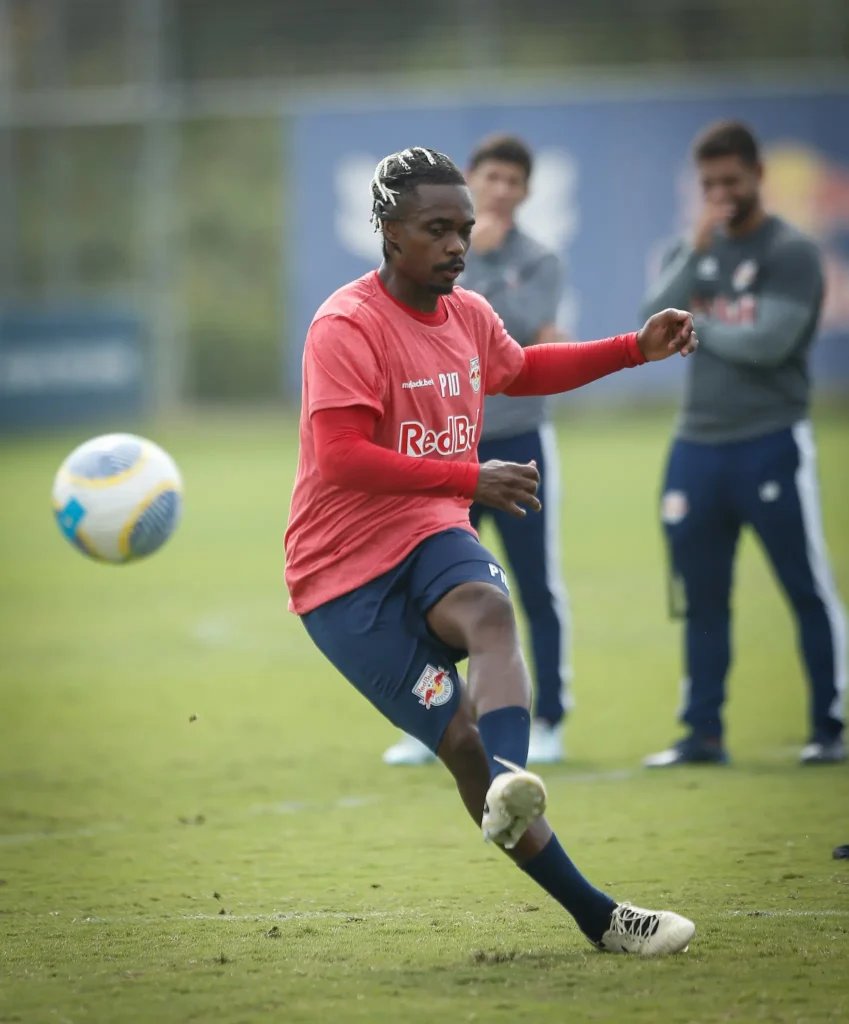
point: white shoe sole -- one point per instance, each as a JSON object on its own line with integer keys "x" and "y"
{"x": 514, "y": 801}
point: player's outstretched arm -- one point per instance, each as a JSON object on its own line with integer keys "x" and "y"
{"x": 552, "y": 369}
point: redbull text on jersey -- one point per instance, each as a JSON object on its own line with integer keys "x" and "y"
{"x": 418, "y": 440}
{"x": 730, "y": 311}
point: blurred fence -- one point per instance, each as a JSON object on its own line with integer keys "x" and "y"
{"x": 152, "y": 152}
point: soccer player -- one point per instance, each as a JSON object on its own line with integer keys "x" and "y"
{"x": 382, "y": 564}
{"x": 521, "y": 280}
{"x": 744, "y": 451}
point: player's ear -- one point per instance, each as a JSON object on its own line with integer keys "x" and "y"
{"x": 391, "y": 233}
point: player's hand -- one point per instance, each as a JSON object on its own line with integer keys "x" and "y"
{"x": 508, "y": 486}
{"x": 666, "y": 333}
{"x": 489, "y": 232}
{"x": 714, "y": 216}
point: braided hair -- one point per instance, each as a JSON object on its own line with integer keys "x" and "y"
{"x": 400, "y": 173}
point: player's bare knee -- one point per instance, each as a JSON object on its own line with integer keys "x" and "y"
{"x": 493, "y": 618}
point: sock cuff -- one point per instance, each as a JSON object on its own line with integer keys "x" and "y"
{"x": 512, "y": 713}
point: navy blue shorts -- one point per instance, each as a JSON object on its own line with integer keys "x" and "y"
{"x": 377, "y": 636}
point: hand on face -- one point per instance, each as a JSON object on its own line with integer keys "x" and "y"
{"x": 716, "y": 215}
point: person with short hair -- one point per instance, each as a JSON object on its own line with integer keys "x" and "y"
{"x": 744, "y": 453}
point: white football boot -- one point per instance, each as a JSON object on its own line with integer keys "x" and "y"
{"x": 546, "y": 746}
{"x": 514, "y": 801}
{"x": 833, "y": 752}
{"x": 646, "y": 932}
{"x": 408, "y": 751}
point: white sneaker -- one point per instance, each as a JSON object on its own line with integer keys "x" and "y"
{"x": 408, "y": 751}
{"x": 646, "y": 932}
{"x": 815, "y": 752}
{"x": 546, "y": 745}
{"x": 514, "y": 801}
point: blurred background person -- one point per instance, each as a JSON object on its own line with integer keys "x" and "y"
{"x": 521, "y": 279}
{"x": 744, "y": 451}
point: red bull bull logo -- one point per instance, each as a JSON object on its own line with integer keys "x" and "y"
{"x": 434, "y": 687}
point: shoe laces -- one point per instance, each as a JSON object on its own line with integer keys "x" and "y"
{"x": 631, "y": 921}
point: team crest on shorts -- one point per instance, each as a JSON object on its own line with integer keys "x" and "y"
{"x": 770, "y": 491}
{"x": 475, "y": 373}
{"x": 674, "y": 507}
{"x": 434, "y": 687}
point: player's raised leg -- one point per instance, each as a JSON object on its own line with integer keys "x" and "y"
{"x": 493, "y": 792}
{"x": 478, "y": 617}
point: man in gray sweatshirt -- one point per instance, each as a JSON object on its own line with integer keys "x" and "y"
{"x": 744, "y": 452}
{"x": 522, "y": 281}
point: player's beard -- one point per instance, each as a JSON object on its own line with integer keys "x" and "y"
{"x": 445, "y": 287}
{"x": 743, "y": 209}
{"x": 441, "y": 289}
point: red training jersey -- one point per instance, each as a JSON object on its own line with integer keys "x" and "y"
{"x": 425, "y": 377}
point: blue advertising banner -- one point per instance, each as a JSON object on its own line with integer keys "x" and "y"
{"x": 70, "y": 366}
{"x": 613, "y": 185}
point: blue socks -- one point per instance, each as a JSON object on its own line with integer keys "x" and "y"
{"x": 554, "y": 871}
{"x": 505, "y": 732}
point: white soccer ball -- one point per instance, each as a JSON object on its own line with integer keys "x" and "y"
{"x": 118, "y": 497}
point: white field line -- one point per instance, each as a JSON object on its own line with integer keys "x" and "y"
{"x": 615, "y": 775}
{"x": 289, "y": 807}
{"x": 75, "y": 833}
{"x": 286, "y": 807}
{"x": 357, "y": 915}
{"x": 295, "y": 915}
{"x": 787, "y": 913}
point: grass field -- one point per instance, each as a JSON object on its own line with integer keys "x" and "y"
{"x": 259, "y": 862}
